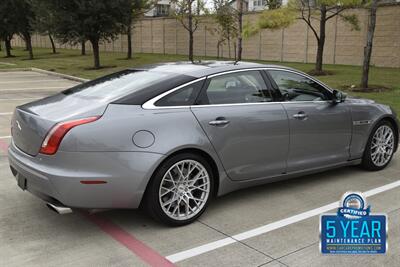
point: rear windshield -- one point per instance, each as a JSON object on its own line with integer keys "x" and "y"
{"x": 117, "y": 85}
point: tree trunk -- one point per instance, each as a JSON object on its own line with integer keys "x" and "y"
{"x": 28, "y": 42}
{"x": 96, "y": 54}
{"x": 240, "y": 39}
{"x": 7, "y": 44}
{"x": 129, "y": 36}
{"x": 229, "y": 47}
{"x": 190, "y": 26}
{"x": 83, "y": 48}
{"x": 0, "y": 46}
{"x": 321, "y": 41}
{"x": 368, "y": 47}
{"x": 53, "y": 46}
{"x": 218, "y": 44}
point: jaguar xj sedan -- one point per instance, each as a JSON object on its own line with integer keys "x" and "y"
{"x": 170, "y": 137}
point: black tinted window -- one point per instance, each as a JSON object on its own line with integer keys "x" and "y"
{"x": 117, "y": 85}
{"x": 296, "y": 87}
{"x": 182, "y": 97}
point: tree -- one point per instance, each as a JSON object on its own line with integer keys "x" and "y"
{"x": 25, "y": 18}
{"x": 226, "y": 30}
{"x": 8, "y": 24}
{"x": 137, "y": 8}
{"x": 93, "y": 20}
{"x": 368, "y": 47}
{"x": 44, "y": 20}
{"x": 188, "y": 12}
{"x": 322, "y": 11}
{"x": 240, "y": 31}
{"x": 273, "y": 4}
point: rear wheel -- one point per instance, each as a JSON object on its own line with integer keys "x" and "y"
{"x": 180, "y": 190}
{"x": 380, "y": 147}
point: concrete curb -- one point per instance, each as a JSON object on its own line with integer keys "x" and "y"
{"x": 52, "y": 73}
{"x": 61, "y": 75}
{"x": 15, "y": 69}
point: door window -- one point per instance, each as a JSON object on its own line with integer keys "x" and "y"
{"x": 237, "y": 87}
{"x": 296, "y": 87}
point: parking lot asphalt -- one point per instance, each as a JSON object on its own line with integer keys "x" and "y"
{"x": 287, "y": 212}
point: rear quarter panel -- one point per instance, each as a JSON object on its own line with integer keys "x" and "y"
{"x": 173, "y": 130}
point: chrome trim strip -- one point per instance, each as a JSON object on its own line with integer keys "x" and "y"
{"x": 362, "y": 122}
{"x": 150, "y": 104}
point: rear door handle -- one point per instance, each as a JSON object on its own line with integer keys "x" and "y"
{"x": 220, "y": 121}
{"x": 300, "y": 116}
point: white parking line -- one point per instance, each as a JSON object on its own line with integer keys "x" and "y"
{"x": 269, "y": 227}
{"x": 5, "y": 137}
{"x": 34, "y": 88}
{"x": 29, "y": 81}
{"x": 5, "y": 113}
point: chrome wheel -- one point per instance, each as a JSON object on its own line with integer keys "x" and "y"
{"x": 382, "y": 145}
{"x": 184, "y": 190}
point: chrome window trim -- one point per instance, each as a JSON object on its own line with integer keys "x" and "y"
{"x": 150, "y": 104}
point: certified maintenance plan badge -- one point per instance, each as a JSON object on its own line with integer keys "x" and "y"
{"x": 353, "y": 230}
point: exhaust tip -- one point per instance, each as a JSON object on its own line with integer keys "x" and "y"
{"x": 59, "y": 209}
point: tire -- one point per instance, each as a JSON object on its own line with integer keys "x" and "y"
{"x": 177, "y": 203}
{"x": 369, "y": 160}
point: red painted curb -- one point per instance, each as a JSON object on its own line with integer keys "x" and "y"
{"x": 140, "y": 249}
{"x": 3, "y": 146}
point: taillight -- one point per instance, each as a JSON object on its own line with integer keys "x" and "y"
{"x": 54, "y": 137}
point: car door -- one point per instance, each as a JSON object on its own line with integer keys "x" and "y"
{"x": 320, "y": 130}
{"x": 249, "y": 132}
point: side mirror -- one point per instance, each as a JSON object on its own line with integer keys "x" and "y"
{"x": 338, "y": 96}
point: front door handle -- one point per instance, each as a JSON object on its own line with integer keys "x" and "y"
{"x": 220, "y": 121}
{"x": 300, "y": 116}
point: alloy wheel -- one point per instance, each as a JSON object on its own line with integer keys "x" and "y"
{"x": 184, "y": 190}
{"x": 382, "y": 145}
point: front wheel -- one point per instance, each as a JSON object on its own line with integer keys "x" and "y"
{"x": 180, "y": 189}
{"x": 380, "y": 147}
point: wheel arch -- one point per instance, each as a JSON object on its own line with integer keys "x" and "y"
{"x": 202, "y": 153}
{"x": 396, "y": 128}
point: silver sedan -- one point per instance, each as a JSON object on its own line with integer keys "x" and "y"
{"x": 170, "y": 137}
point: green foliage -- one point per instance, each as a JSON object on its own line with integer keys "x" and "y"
{"x": 352, "y": 20}
{"x": 8, "y": 21}
{"x": 226, "y": 18}
{"x": 272, "y": 19}
{"x": 44, "y": 22}
{"x": 276, "y": 18}
{"x": 273, "y": 4}
{"x": 94, "y": 20}
{"x": 250, "y": 29}
{"x": 183, "y": 9}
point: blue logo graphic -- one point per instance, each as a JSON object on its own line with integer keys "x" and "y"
{"x": 353, "y": 230}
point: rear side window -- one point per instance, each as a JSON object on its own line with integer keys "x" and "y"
{"x": 116, "y": 85}
{"x": 237, "y": 87}
{"x": 185, "y": 96}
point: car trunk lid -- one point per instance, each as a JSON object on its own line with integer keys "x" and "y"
{"x": 31, "y": 122}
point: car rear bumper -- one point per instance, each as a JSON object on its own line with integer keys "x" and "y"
{"x": 57, "y": 178}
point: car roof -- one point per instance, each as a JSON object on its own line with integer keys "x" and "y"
{"x": 203, "y": 68}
